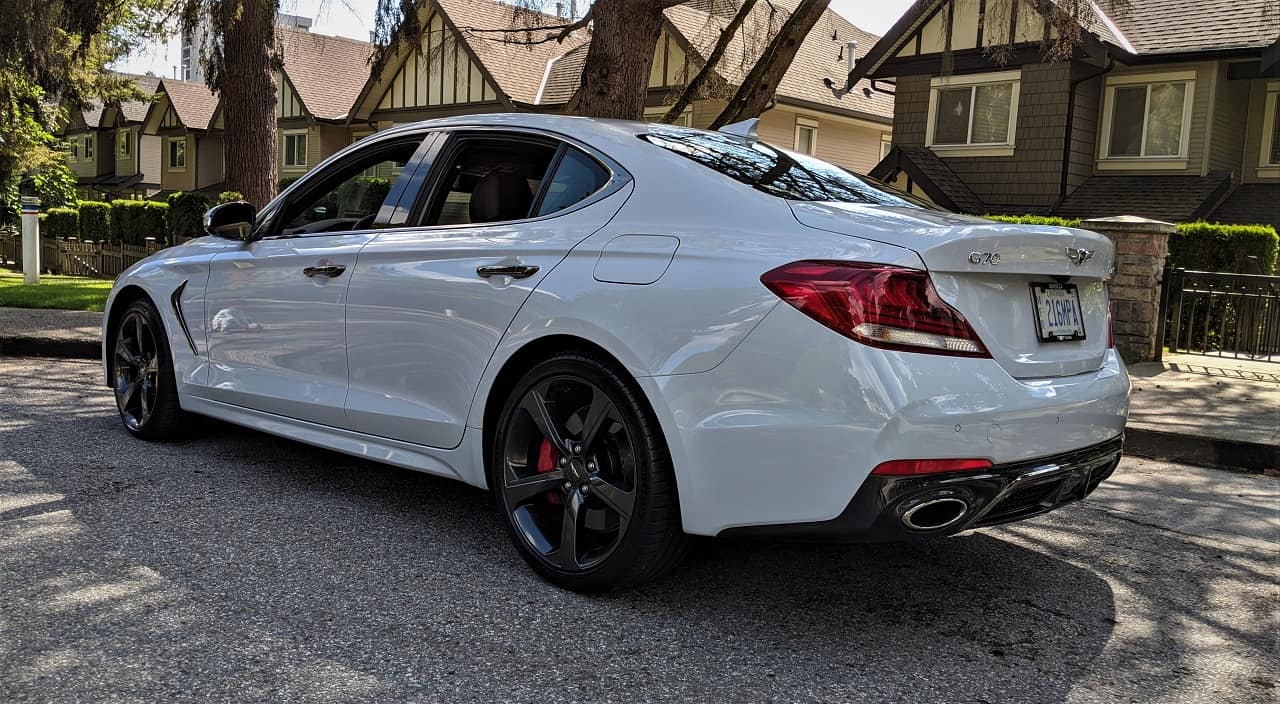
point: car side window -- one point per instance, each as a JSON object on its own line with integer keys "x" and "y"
{"x": 490, "y": 180}
{"x": 577, "y": 177}
{"x": 350, "y": 198}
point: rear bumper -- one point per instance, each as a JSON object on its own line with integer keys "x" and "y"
{"x": 1002, "y": 494}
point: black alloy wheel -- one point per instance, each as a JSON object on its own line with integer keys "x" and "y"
{"x": 583, "y": 478}
{"x": 142, "y": 375}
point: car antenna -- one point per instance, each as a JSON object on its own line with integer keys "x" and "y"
{"x": 745, "y": 129}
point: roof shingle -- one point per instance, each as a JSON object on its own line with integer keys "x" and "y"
{"x": 1168, "y": 198}
{"x": 193, "y": 102}
{"x": 327, "y": 72}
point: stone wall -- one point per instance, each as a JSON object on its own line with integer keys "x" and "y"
{"x": 1142, "y": 246}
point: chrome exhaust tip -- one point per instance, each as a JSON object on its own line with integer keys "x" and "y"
{"x": 936, "y": 514}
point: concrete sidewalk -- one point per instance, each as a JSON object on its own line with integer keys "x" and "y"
{"x": 42, "y": 332}
{"x": 1189, "y": 408}
{"x": 1206, "y": 410}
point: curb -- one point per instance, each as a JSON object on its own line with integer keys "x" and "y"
{"x": 14, "y": 346}
{"x": 1239, "y": 455}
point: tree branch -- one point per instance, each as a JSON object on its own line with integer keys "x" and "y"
{"x": 692, "y": 88}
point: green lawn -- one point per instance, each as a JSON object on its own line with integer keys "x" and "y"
{"x": 66, "y": 292}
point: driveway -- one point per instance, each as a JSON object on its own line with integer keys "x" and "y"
{"x": 240, "y": 567}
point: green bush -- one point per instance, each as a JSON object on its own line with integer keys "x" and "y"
{"x": 186, "y": 214}
{"x": 60, "y": 222}
{"x": 1204, "y": 246}
{"x": 95, "y": 220}
{"x": 363, "y": 194}
{"x": 229, "y": 197}
{"x": 133, "y": 221}
{"x": 1051, "y": 220}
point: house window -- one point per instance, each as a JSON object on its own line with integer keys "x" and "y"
{"x": 1270, "y": 156}
{"x": 655, "y": 115}
{"x": 806, "y": 140}
{"x": 126, "y": 143}
{"x": 178, "y": 154}
{"x": 974, "y": 111}
{"x": 88, "y": 147}
{"x": 886, "y": 144}
{"x": 1147, "y": 116}
{"x": 295, "y": 150}
{"x": 74, "y": 147}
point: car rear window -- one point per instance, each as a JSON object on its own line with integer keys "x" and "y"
{"x": 775, "y": 171}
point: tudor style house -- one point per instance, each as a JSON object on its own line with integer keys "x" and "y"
{"x": 103, "y": 145}
{"x": 1165, "y": 109}
{"x": 457, "y": 71}
{"x": 180, "y": 141}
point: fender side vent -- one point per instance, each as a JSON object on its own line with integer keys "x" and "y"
{"x": 176, "y": 300}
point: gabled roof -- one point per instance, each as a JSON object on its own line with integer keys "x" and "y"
{"x": 327, "y": 72}
{"x": 136, "y": 110}
{"x": 1130, "y": 29}
{"x": 932, "y": 175}
{"x": 517, "y": 69}
{"x": 821, "y": 54}
{"x": 193, "y": 102}
{"x": 1168, "y": 198}
{"x": 563, "y": 76}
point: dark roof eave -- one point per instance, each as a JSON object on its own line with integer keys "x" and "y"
{"x": 876, "y": 55}
{"x": 1172, "y": 56}
{"x": 846, "y": 112}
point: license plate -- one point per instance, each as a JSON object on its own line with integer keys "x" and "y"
{"x": 1058, "y": 314}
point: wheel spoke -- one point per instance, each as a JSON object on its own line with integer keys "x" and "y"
{"x": 521, "y": 490}
{"x": 598, "y": 413}
{"x": 567, "y": 554}
{"x": 127, "y": 395}
{"x": 152, "y": 366}
{"x": 144, "y": 408}
{"x": 535, "y": 404}
{"x": 619, "y": 501}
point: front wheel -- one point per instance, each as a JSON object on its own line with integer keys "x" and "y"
{"x": 142, "y": 370}
{"x": 583, "y": 478}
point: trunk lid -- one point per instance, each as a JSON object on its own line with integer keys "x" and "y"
{"x": 986, "y": 270}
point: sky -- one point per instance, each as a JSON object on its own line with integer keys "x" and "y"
{"x": 354, "y": 18}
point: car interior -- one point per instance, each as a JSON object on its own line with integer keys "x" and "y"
{"x": 490, "y": 180}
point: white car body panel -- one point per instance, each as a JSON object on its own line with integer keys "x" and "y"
{"x": 770, "y": 417}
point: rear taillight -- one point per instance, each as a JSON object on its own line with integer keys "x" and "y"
{"x": 878, "y": 305}
{"x": 910, "y": 467}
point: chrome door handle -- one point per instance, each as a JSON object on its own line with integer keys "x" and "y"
{"x": 333, "y": 271}
{"x": 515, "y": 271}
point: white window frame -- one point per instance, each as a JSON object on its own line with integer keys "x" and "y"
{"x": 88, "y": 147}
{"x": 168, "y": 153}
{"x": 1005, "y": 148}
{"x": 806, "y": 123}
{"x": 1164, "y": 161}
{"x": 124, "y": 139}
{"x": 886, "y": 144}
{"x": 286, "y": 153}
{"x": 655, "y": 114}
{"x": 1270, "y": 103}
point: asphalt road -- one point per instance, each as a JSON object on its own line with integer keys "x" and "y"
{"x": 240, "y": 567}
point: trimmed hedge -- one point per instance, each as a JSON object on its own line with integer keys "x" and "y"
{"x": 60, "y": 222}
{"x": 133, "y": 221}
{"x": 95, "y": 220}
{"x": 1052, "y": 220}
{"x": 186, "y": 214}
{"x": 1204, "y": 246}
{"x": 363, "y": 194}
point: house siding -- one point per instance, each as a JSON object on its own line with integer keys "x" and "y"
{"x": 1230, "y": 111}
{"x": 1252, "y": 156}
{"x": 208, "y": 164}
{"x": 854, "y": 147}
{"x": 149, "y": 158}
{"x": 1030, "y": 179}
{"x": 172, "y": 180}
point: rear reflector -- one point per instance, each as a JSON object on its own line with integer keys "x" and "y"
{"x": 910, "y": 467}
{"x": 876, "y": 304}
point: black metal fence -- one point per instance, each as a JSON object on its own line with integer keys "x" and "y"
{"x": 1221, "y": 314}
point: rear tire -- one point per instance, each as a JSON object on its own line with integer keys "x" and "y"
{"x": 146, "y": 392}
{"x": 576, "y": 445}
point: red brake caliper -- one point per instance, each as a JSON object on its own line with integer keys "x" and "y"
{"x": 547, "y": 462}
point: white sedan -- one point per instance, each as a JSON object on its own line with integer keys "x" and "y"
{"x": 632, "y": 333}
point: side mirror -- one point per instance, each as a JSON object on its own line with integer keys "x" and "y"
{"x": 231, "y": 220}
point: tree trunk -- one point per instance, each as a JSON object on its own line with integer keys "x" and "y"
{"x": 690, "y": 92}
{"x": 615, "y": 78}
{"x": 761, "y": 84}
{"x": 248, "y": 95}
